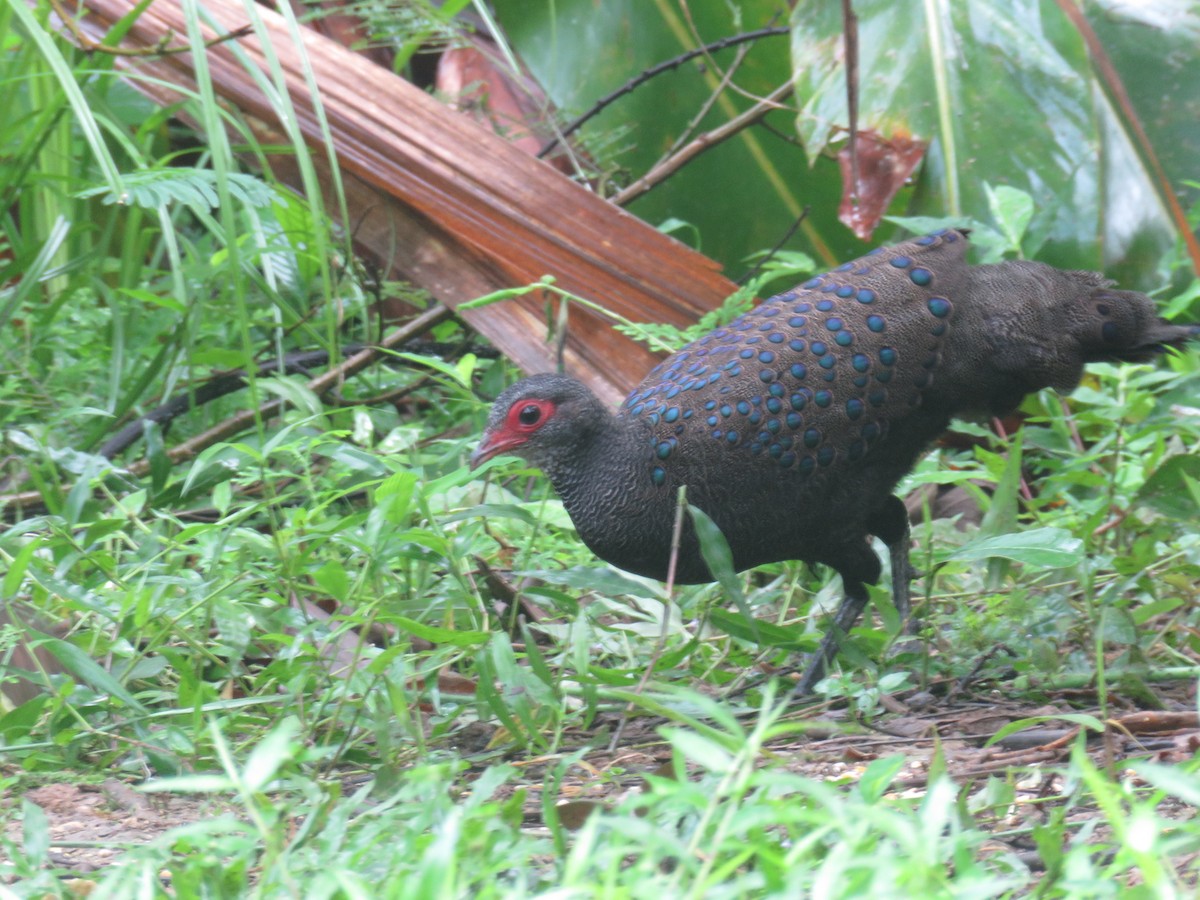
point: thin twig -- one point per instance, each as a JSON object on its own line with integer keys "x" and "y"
{"x": 641, "y": 79}
{"x": 850, "y": 38}
{"x": 703, "y": 142}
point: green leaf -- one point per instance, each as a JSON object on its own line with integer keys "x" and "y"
{"x": 1081, "y": 719}
{"x": 83, "y": 667}
{"x": 277, "y": 748}
{"x": 1047, "y": 547}
{"x": 879, "y": 776}
{"x": 438, "y": 635}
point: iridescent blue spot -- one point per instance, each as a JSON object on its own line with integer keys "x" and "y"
{"x": 711, "y": 404}
{"x": 694, "y": 368}
{"x": 861, "y": 381}
{"x": 900, "y": 262}
{"x": 854, "y": 408}
{"x": 735, "y": 371}
{"x": 822, "y": 398}
{"x": 798, "y": 401}
{"x": 770, "y": 310}
{"x": 807, "y": 464}
{"x": 818, "y": 348}
{"x": 949, "y": 236}
{"x": 884, "y": 376}
{"x": 651, "y": 403}
{"x": 870, "y": 431}
{"x": 827, "y": 362}
{"x": 766, "y": 326}
{"x": 845, "y": 291}
{"x": 753, "y": 340}
{"x": 920, "y": 277}
{"x": 825, "y": 305}
{"x": 887, "y": 356}
{"x": 712, "y": 420}
{"x": 876, "y": 323}
{"x": 812, "y": 283}
{"x": 812, "y": 438}
{"x": 796, "y": 345}
{"x": 877, "y": 397}
{"x": 671, "y": 414}
{"x": 754, "y": 418}
{"x": 938, "y": 329}
{"x": 773, "y": 426}
{"x": 825, "y": 455}
{"x": 673, "y": 392}
{"x": 875, "y": 252}
{"x": 775, "y": 450}
{"x": 843, "y": 339}
{"x": 776, "y": 338}
{"x": 764, "y": 436}
{"x": 844, "y": 267}
{"x": 766, "y": 375}
{"x": 939, "y": 306}
{"x": 776, "y": 390}
{"x": 687, "y": 414}
{"x": 637, "y": 410}
{"x": 861, "y": 362}
{"x": 828, "y": 289}
{"x": 833, "y": 323}
{"x": 766, "y": 357}
{"x": 788, "y": 459}
{"x": 802, "y": 307}
{"x": 731, "y": 436}
{"x": 866, "y": 295}
{"x": 726, "y": 410}
{"x": 794, "y": 420}
{"x": 925, "y": 241}
{"x": 653, "y": 417}
{"x": 797, "y": 321}
{"x": 799, "y": 370}
{"x": 756, "y": 448}
{"x": 663, "y": 449}
{"x": 756, "y": 400}
{"x": 774, "y": 405}
{"x": 658, "y": 475}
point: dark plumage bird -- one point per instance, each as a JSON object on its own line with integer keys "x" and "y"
{"x": 791, "y": 426}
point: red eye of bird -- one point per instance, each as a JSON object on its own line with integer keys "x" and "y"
{"x": 529, "y": 415}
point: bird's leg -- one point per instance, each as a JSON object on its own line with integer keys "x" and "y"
{"x": 851, "y": 607}
{"x": 891, "y": 527}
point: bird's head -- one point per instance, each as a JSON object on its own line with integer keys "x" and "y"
{"x": 541, "y": 418}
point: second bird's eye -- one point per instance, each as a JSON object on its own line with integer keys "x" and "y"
{"x": 529, "y": 415}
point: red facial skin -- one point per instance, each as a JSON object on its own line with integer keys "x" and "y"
{"x": 523, "y": 418}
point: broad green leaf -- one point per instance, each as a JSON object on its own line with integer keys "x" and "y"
{"x": 1048, "y": 547}
{"x": 86, "y": 669}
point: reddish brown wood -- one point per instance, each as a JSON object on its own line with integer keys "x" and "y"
{"x": 459, "y": 210}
